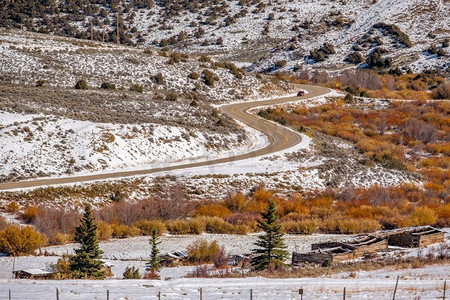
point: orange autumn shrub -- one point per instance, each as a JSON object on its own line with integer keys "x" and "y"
{"x": 261, "y": 195}
{"x": 295, "y": 205}
{"x": 308, "y": 226}
{"x": 443, "y": 213}
{"x": 352, "y": 226}
{"x": 29, "y": 214}
{"x": 236, "y": 202}
{"x": 423, "y": 216}
{"x": 212, "y": 210}
{"x": 362, "y": 212}
{"x": 435, "y": 187}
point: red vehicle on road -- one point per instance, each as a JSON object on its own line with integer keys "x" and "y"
{"x": 301, "y": 93}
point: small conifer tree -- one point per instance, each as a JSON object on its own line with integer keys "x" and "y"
{"x": 155, "y": 260}
{"x": 270, "y": 254}
{"x": 86, "y": 262}
{"x": 131, "y": 273}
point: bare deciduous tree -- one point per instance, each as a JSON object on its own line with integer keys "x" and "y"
{"x": 320, "y": 77}
{"x": 360, "y": 79}
{"x": 442, "y": 91}
{"x": 420, "y": 130}
{"x": 390, "y": 83}
{"x": 382, "y": 123}
{"x": 51, "y": 221}
{"x": 304, "y": 75}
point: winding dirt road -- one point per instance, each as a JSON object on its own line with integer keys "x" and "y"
{"x": 280, "y": 138}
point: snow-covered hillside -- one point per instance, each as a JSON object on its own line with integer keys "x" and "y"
{"x": 43, "y": 60}
{"x": 263, "y": 32}
{"x": 344, "y": 23}
{"x": 40, "y": 145}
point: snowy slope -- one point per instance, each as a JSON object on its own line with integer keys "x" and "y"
{"x": 48, "y": 145}
{"x": 261, "y": 31}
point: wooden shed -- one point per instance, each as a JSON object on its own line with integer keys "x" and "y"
{"x": 359, "y": 246}
{"x": 173, "y": 257}
{"x": 310, "y": 257}
{"x": 415, "y": 237}
{"x": 33, "y": 274}
{"x": 322, "y": 255}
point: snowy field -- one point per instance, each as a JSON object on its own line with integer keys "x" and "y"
{"x": 415, "y": 283}
{"x": 423, "y": 283}
{"x": 135, "y": 251}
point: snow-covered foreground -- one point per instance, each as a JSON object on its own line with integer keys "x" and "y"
{"x": 122, "y": 253}
{"x": 416, "y": 283}
{"x": 422, "y": 283}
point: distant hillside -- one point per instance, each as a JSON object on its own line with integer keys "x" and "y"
{"x": 270, "y": 35}
{"x": 43, "y": 60}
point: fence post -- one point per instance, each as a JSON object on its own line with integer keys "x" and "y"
{"x": 344, "y": 293}
{"x": 251, "y": 294}
{"x": 9, "y": 297}
{"x": 159, "y": 295}
{"x": 445, "y": 285}
{"x": 57, "y": 294}
{"x": 395, "y": 290}
{"x": 201, "y": 294}
{"x": 107, "y": 294}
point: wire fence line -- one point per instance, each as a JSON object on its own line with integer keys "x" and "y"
{"x": 96, "y": 290}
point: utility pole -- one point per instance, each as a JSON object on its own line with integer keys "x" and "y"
{"x": 117, "y": 29}
{"x": 92, "y": 31}
{"x": 395, "y": 290}
{"x": 14, "y": 264}
{"x": 445, "y": 285}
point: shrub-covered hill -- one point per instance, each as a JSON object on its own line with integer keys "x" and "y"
{"x": 257, "y": 31}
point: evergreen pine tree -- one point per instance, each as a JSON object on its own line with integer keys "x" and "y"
{"x": 86, "y": 263}
{"x": 271, "y": 253}
{"x": 155, "y": 260}
{"x": 131, "y": 273}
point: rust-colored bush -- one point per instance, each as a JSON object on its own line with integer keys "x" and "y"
{"x": 308, "y": 226}
{"x": 15, "y": 240}
{"x": 236, "y": 202}
{"x": 29, "y": 214}
{"x": 61, "y": 238}
{"x": 202, "y": 251}
{"x": 123, "y": 231}
{"x": 212, "y": 210}
{"x": 3, "y": 223}
{"x": 12, "y": 207}
{"x": 146, "y": 226}
{"x": 442, "y": 91}
{"x": 178, "y": 226}
{"x": 423, "y": 216}
{"x": 104, "y": 230}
